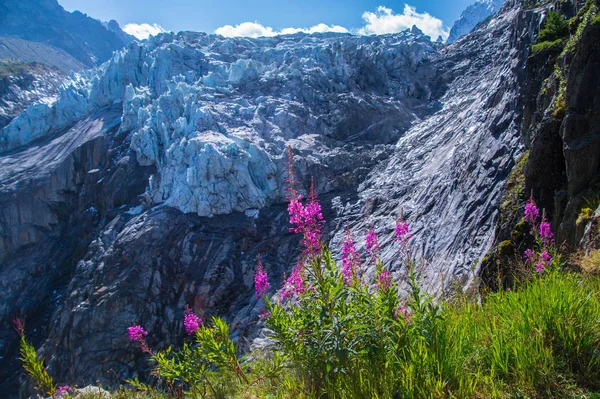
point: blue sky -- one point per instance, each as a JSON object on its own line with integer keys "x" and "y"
{"x": 276, "y": 15}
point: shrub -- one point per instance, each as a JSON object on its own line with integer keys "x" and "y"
{"x": 33, "y": 365}
{"x": 554, "y": 45}
{"x": 555, "y": 28}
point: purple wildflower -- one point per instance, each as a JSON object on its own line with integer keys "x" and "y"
{"x": 62, "y": 391}
{"x": 308, "y": 219}
{"x": 384, "y": 280}
{"x": 136, "y": 333}
{"x": 191, "y": 322}
{"x": 532, "y": 213}
{"x": 294, "y": 285}
{"x": 372, "y": 245}
{"x": 546, "y": 232}
{"x": 264, "y": 314}
{"x": 528, "y": 256}
{"x": 261, "y": 280}
{"x": 403, "y": 233}
{"x": 539, "y": 267}
{"x": 546, "y": 258}
{"x": 350, "y": 258}
{"x": 19, "y": 326}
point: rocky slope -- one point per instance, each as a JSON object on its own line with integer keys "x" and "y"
{"x": 155, "y": 180}
{"x": 31, "y": 52}
{"x": 45, "y": 21}
{"x": 40, "y": 44}
{"x": 22, "y": 84}
{"x": 473, "y": 15}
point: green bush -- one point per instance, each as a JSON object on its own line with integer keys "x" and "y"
{"x": 555, "y": 27}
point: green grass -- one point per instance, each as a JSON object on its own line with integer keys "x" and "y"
{"x": 539, "y": 341}
{"x": 555, "y": 45}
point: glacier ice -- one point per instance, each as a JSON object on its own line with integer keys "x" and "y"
{"x": 215, "y": 115}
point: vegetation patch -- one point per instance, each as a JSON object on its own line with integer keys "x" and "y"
{"x": 514, "y": 191}
{"x": 555, "y": 28}
{"x": 556, "y": 45}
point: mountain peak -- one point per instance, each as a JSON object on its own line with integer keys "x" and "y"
{"x": 473, "y": 15}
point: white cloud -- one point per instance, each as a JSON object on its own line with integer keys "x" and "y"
{"x": 320, "y": 28}
{"x": 255, "y": 29}
{"x": 247, "y": 29}
{"x": 385, "y": 21}
{"x": 380, "y": 22}
{"x": 143, "y": 31}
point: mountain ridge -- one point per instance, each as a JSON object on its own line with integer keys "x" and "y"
{"x": 46, "y": 22}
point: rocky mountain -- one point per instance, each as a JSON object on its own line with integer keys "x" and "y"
{"x": 155, "y": 180}
{"x": 40, "y": 44}
{"x": 26, "y": 51}
{"x": 46, "y": 22}
{"x": 472, "y": 16}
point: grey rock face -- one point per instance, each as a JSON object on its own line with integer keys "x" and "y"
{"x": 32, "y": 52}
{"x": 580, "y": 130}
{"x": 156, "y": 180}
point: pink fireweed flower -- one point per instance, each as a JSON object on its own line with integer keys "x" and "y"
{"x": 403, "y": 233}
{"x": 19, "y": 326}
{"x": 350, "y": 258}
{"x": 404, "y": 312}
{"x": 539, "y": 267}
{"x": 136, "y": 333}
{"x": 372, "y": 245}
{"x": 532, "y": 213}
{"x": 528, "y": 256}
{"x": 546, "y": 232}
{"x": 546, "y": 258}
{"x": 308, "y": 220}
{"x": 191, "y": 322}
{"x": 264, "y": 314}
{"x": 62, "y": 391}
{"x": 384, "y": 280}
{"x": 294, "y": 285}
{"x": 261, "y": 280}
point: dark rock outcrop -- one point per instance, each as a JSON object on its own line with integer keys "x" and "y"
{"x": 561, "y": 130}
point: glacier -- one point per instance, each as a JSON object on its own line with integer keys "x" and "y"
{"x": 213, "y": 113}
